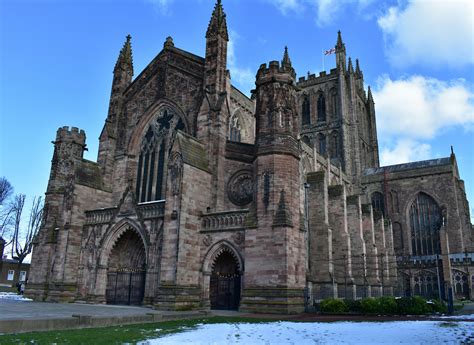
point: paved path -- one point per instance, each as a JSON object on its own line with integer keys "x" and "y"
{"x": 21, "y": 310}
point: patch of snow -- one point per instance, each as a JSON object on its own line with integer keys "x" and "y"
{"x": 12, "y": 296}
{"x": 457, "y": 317}
{"x": 301, "y": 333}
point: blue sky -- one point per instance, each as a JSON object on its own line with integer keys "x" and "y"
{"x": 57, "y": 57}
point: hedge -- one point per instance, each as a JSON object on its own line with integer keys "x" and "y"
{"x": 386, "y": 305}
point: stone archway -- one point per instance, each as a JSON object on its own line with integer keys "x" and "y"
{"x": 224, "y": 289}
{"x": 126, "y": 270}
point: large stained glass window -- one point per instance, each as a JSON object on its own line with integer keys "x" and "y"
{"x": 155, "y": 146}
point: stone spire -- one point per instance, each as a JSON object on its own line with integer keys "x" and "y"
{"x": 350, "y": 67}
{"x": 358, "y": 71}
{"x": 340, "y": 53}
{"x": 369, "y": 95}
{"x": 286, "y": 62}
{"x": 218, "y": 23}
{"x": 340, "y": 44}
{"x": 215, "y": 77}
{"x": 125, "y": 59}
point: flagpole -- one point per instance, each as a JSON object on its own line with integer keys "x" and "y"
{"x": 323, "y": 59}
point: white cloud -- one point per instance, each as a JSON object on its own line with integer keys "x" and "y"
{"x": 404, "y": 151}
{"x": 161, "y": 6}
{"x": 419, "y": 108}
{"x": 436, "y": 32}
{"x": 286, "y": 6}
{"x": 243, "y": 77}
{"x": 325, "y": 10}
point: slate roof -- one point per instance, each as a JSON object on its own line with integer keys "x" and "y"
{"x": 409, "y": 166}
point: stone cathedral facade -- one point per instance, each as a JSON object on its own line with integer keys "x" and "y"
{"x": 202, "y": 197}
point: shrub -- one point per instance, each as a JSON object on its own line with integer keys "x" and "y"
{"x": 387, "y": 305}
{"x": 438, "y": 306}
{"x": 332, "y": 305}
{"x": 353, "y": 305}
{"x": 370, "y": 306}
{"x": 413, "y": 306}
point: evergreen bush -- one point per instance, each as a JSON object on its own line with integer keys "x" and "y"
{"x": 387, "y": 305}
{"x": 413, "y": 306}
{"x": 332, "y": 305}
{"x": 370, "y": 305}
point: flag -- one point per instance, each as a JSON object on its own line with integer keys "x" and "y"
{"x": 330, "y": 51}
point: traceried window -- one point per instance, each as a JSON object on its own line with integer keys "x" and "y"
{"x": 321, "y": 144}
{"x": 378, "y": 202}
{"x": 306, "y": 111}
{"x": 321, "y": 108}
{"x": 154, "y": 150}
{"x": 425, "y": 222}
{"x": 333, "y": 100}
{"x": 235, "y": 129}
{"x": 334, "y": 144}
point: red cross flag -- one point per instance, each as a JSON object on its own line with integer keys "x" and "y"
{"x": 330, "y": 51}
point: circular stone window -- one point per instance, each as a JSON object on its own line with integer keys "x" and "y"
{"x": 240, "y": 188}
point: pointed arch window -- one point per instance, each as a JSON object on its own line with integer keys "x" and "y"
{"x": 425, "y": 222}
{"x": 378, "y": 202}
{"x": 321, "y": 108}
{"x": 321, "y": 144}
{"x": 334, "y": 144}
{"x": 235, "y": 130}
{"x": 333, "y": 101}
{"x": 306, "y": 111}
{"x": 153, "y": 157}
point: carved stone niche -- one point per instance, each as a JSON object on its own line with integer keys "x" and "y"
{"x": 240, "y": 188}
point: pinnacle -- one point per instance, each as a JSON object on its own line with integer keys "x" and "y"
{"x": 339, "y": 40}
{"x": 369, "y": 94}
{"x": 286, "y": 58}
{"x": 350, "y": 68}
{"x": 125, "y": 59}
{"x": 218, "y": 24}
{"x": 358, "y": 71}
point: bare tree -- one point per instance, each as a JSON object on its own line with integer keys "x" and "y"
{"x": 6, "y": 190}
{"x": 23, "y": 236}
{"x": 6, "y": 210}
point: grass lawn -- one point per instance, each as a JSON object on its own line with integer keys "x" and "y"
{"x": 117, "y": 334}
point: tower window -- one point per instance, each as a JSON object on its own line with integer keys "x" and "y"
{"x": 322, "y": 144}
{"x": 321, "y": 108}
{"x": 306, "y": 111}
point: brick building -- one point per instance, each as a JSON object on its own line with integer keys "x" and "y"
{"x": 11, "y": 272}
{"x": 202, "y": 197}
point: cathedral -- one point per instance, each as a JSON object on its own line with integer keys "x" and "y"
{"x": 204, "y": 198}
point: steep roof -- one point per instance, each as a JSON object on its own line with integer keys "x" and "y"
{"x": 409, "y": 166}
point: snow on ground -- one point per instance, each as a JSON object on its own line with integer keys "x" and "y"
{"x": 302, "y": 333}
{"x": 13, "y": 296}
{"x": 457, "y": 317}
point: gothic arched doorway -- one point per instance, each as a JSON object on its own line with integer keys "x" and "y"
{"x": 126, "y": 270}
{"x": 225, "y": 282}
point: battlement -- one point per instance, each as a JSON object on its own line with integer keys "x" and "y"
{"x": 275, "y": 72}
{"x": 313, "y": 79}
{"x": 72, "y": 134}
